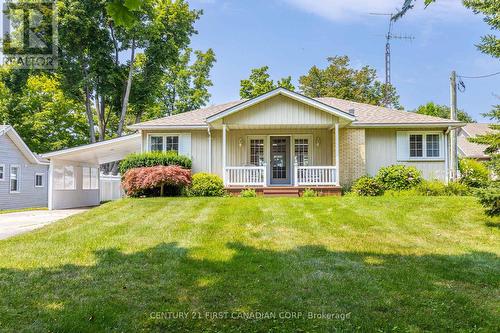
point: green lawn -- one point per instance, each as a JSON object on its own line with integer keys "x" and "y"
{"x": 377, "y": 264}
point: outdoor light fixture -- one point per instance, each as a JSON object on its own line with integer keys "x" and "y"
{"x": 318, "y": 141}
{"x": 240, "y": 142}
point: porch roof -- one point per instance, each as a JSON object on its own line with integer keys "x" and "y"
{"x": 100, "y": 152}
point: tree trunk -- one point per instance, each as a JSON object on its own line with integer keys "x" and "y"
{"x": 162, "y": 190}
{"x": 90, "y": 116}
{"x": 100, "y": 118}
{"x": 127, "y": 90}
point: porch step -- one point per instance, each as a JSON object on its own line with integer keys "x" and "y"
{"x": 281, "y": 192}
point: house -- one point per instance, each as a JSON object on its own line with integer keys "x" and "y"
{"x": 23, "y": 174}
{"x": 278, "y": 141}
{"x": 469, "y": 149}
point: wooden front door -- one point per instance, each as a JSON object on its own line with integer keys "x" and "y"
{"x": 280, "y": 160}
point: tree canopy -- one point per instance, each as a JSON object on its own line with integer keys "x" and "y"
{"x": 260, "y": 82}
{"x": 442, "y": 111}
{"x": 340, "y": 80}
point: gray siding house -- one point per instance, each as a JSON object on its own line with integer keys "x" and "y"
{"x": 23, "y": 175}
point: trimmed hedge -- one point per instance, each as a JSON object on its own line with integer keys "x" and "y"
{"x": 151, "y": 159}
{"x": 206, "y": 185}
{"x": 156, "y": 181}
{"x": 399, "y": 177}
{"x": 248, "y": 193}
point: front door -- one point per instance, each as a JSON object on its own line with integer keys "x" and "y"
{"x": 280, "y": 160}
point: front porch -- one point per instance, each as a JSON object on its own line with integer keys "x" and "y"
{"x": 277, "y": 160}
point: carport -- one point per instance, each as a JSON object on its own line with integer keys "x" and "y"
{"x": 74, "y": 173}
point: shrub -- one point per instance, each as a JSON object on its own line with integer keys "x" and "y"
{"x": 399, "y": 177}
{"x": 368, "y": 187}
{"x": 473, "y": 173}
{"x": 489, "y": 197}
{"x": 457, "y": 188}
{"x": 152, "y": 159}
{"x": 206, "y": 185}
{"x": 157, "y": 180}
{"x": 248, "y": 193}
{"x": 431, "y": 188}
{"x": 309, "y": 193}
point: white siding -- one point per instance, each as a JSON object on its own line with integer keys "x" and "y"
{"x": 29, "y": 195}
{"x": 381, "y": 150}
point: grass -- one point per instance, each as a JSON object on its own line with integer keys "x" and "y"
{"x": 374, "y": 264}
{"x": 5, "y": 211}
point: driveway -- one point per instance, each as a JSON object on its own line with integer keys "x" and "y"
{"x": 17, "y": 223}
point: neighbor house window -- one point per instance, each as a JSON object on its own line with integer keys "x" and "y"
{"x": 64, "y": 177}
{"x": 157, "y": 143}
{"x": 14, "y": 178}
{"x": 90, "y": 178}
{"x": 257, "y": 152}
{"x": 38, "y": 179}
{"x": 172, "y": 143}
{"x": 2, "y": 171}
{"x": 302, "y": 151}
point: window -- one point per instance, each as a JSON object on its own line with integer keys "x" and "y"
{"x": 257, "y": 152}
{"x": 64, "y": 177}
{"x": 14, "y": 178}
{"x": 432, "y": 145}
{"x": 2, "y": 171}
{"x": 302, "y": 151}
{"x": 416, "y": 145}
{"x": 164, "y": 143}
{"x": 38, "y": 179}
{"x": 421, "y": 145}
{"x": 157, "y": 143}
{"x": 90, "y": 178}
{"x": 172, "y": 143}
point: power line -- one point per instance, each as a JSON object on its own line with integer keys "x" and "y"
{"x": 478, "y": 77}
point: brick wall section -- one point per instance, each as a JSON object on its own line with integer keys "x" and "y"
{"x": 352, "y": 155}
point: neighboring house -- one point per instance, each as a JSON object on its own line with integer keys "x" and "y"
{"x": 23, "y": 174}
{"x": 280, "y": 140}
{"x": 469, "y": 149}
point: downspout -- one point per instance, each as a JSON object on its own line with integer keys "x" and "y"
{"x": 209, "y": 149}
{"x": 446, "y": 155}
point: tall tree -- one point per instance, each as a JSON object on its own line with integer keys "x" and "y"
{"x": 43, "y": 115}
{"x": 185, "y": 86}
{"x": 442, "y": 111}
{"x": 490, "y": 43}
{"x": 340, "y": 80}
{"x": 260, "y": 82}
{"x": 492, "y": 139}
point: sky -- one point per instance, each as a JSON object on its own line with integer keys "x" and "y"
{"x": 290, "y": 36}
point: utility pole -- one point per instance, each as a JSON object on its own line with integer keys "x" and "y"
{"x": 453, "y": 133}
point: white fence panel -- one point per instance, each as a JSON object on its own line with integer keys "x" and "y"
{"x": 110, "y": 187}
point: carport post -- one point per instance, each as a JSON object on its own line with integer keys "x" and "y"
{"x": 50, "y": 185}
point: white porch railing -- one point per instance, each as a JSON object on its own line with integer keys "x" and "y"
{"x": 315, "y": 175}
{"x": 246, "y": 176}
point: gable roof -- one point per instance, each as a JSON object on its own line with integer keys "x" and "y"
{"x": 18, "y": 141}
{"x": 470, "y": 149}
{"x": 284, "y": 92}
{"x": 359, "y": 114}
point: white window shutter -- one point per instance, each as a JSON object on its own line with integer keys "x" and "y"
{"x": 185, "y": 144}
{"x": 403, "y": 146}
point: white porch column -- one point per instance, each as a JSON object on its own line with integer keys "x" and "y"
{"x": 337, "y": 159}
{"x": 209, "y": 150}
{"x": 50, "y": 185}
{"x": 224, "y": 129}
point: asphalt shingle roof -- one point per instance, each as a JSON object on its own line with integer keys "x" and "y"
{"x": 365, "y": 115}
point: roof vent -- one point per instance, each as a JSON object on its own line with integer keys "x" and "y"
{"x": 351, "y": 111}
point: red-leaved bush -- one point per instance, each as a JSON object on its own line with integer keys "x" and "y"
{"x": 148, "y": 180}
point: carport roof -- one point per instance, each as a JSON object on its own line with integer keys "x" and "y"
{"x": 99, "y": 152}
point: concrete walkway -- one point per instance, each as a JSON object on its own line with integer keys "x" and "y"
{"x": 20, "y": 222}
